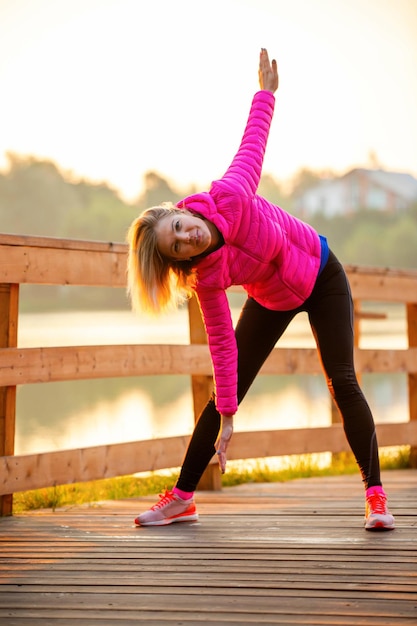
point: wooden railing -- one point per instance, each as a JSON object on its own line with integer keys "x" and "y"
{"x": 33, "y": 260}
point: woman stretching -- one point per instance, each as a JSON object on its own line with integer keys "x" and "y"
{"x": 232, "y": 236}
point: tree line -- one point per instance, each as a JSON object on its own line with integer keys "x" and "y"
{"x": 37, "y": 198}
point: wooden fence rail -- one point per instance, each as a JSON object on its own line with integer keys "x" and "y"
{"x": 48, "y": 261}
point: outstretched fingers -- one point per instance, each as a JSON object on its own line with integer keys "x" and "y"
{"x": 226, "y": 432}
{"x": 268, "y": 72}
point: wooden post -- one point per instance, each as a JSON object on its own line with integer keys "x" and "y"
{"x": 202, "y": 387}
{"x": 9, "y": 305}
{"x": 412, "y": 377}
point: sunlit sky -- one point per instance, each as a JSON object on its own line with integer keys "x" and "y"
{"x": 110, "y": 89}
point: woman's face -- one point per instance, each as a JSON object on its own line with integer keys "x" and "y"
{"x": 181, "y": 236}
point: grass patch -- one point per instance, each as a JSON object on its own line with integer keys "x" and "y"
{"x": 92, "y": 492}
{"x": 308, "y": 466}
{"x": 238, "y": 472}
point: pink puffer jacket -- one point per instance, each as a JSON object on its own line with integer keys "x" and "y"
{"x": 273, "y": 255}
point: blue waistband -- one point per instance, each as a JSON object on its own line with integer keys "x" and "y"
{"x": 324, "y": 253}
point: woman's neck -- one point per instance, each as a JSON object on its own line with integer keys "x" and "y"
{"x": 216, "y": 236}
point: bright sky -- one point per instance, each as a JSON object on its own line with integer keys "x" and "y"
{"x": 110, "y": 89}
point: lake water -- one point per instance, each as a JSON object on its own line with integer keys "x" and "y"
{"x": 54, "y": 416}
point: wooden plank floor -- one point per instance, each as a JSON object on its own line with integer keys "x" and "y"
{"x": 289, "y": 553}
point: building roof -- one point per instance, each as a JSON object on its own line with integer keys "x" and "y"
{"x": 400, "y": 183}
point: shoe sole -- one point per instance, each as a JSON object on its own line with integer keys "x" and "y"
{"x": 170, "y": 520}
{"x": 378, "y": 526}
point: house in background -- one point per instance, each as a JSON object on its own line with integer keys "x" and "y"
{"x": 358, "y": 189}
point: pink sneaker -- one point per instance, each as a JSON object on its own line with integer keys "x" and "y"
{"x": 170, "y": 508}
{"x": 377, "y": 516}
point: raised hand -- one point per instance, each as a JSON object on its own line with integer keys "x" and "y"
{"x": 268, "y": 72}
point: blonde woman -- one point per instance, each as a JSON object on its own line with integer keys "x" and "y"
{"x": 232, "y": 236}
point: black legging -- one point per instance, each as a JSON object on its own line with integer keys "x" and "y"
{"x": 330, "y": 312}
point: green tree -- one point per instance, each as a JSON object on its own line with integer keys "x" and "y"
{"x": 306, "y": 178}
{"x": 98, "y": 213}
{"x": 401, "y": 244}
{"x": 34, "y": 197}
{"x": 365, "y": 246}
{"x": 156, "y": 191}
{"x": 271, "y": 189}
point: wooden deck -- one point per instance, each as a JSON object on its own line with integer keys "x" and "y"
{"x": 290, "y": 553}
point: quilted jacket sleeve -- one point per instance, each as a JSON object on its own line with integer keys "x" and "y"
{"x": 231, "y": 193}
{"x": 245, "y": 170}
{"x": 215, "y": 309}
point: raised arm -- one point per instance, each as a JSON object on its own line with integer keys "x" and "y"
{"x": 243, "y": 175}
{"x": 246, "y": 168}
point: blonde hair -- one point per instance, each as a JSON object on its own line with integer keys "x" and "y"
{"x": 155, "y": 283}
